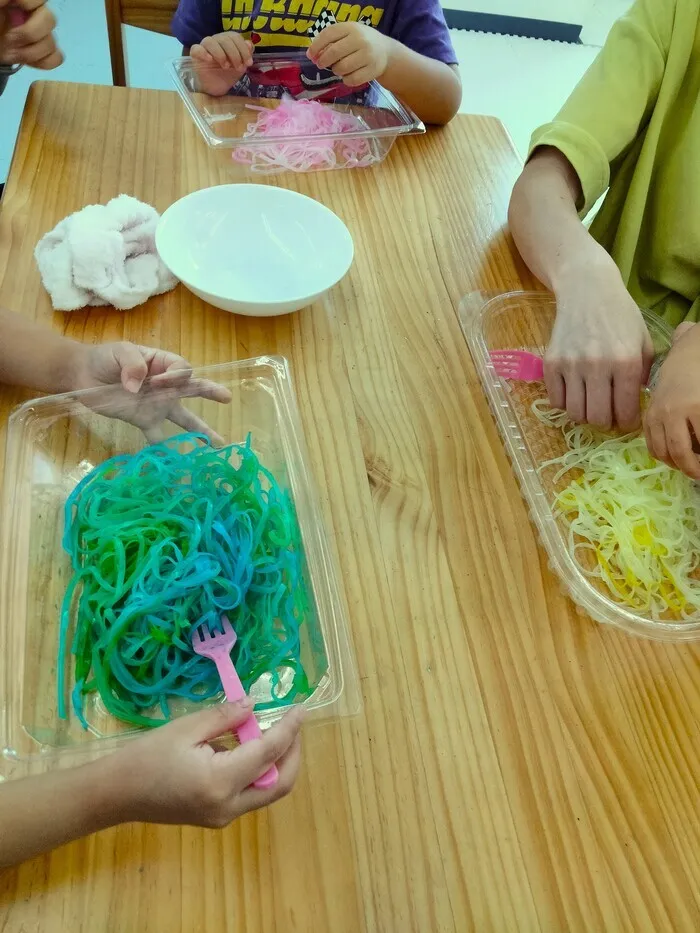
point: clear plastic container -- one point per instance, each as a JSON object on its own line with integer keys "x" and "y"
{"x": 521, "y": 320}
{"x": 51, "y": 444}
{"x": 227, "y": 121}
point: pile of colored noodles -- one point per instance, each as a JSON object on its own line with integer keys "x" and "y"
{"x": 637, "y": 519}
{"x": 306, "y": 136}
{"x": 167, "y": 540}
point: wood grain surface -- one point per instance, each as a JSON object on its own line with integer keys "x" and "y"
{"x": 516, "y": 767}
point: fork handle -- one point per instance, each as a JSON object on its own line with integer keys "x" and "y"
{"x": 250, "y": 729}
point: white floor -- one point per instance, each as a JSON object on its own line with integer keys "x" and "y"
{"x": 522, "y": 81}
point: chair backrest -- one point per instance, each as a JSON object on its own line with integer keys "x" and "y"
{"x": 154, "y": 15}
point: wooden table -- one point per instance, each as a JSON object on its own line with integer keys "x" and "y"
{"x": 517, "y": 767}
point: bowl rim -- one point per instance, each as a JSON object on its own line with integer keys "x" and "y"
{"x": 192, "y": 284}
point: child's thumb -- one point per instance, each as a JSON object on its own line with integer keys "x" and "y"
{"x": 215, "y": 721}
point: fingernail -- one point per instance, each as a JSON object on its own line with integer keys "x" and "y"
{"x": 133, "y": 386}
{"x": 246, "y": 703}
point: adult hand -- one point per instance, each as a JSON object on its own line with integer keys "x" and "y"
{"x": 31, "y": 42}
{"x": 174, "y": 775}
{"x": 600, "y": 352}
{"x": 220, "y": 62}
{"x": 145, "y": 406}
{"x": 672, "y": 421}
{"x": 356, "y": 53}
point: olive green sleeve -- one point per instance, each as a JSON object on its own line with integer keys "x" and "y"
{"x": 614, "y": 100}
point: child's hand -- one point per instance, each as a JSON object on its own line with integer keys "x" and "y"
{"x": 600, "y": 351}
{"x": 32, "y": 42}
{"x": 221, "y": 61}
{"x": 173, "y": 775}
{"x": 147, "y": 408}
{"x": 672, "y": 421}
{"x": 358, "y": 54}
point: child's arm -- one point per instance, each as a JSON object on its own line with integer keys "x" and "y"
{"x": 35, "y": 356}
{"x": 430, "y": 88}
{"x": 170, "y": 776}
{"x": 600, "y": 351}
{"x": 359, "y": 54}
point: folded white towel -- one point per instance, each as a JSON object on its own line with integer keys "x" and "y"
{"x": 104, "y": 255}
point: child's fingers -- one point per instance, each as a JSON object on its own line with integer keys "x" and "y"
{"x": 325, "y": 38}
{"x": 200, "y": 54}
{"x": 213, "y": 46}
{"x": 554, "y": 383}
{"x": 36, "y": 27}
{"x": 252, "y": 759}
{"x": 575, "y": 397}
{"x": 627, "y": 384}
{"x": 188, "y": 421}
{"x": 335, "y": 51}
{"x": 51, "y": 61}
{"x": 656, "y": 437}
{"x": 599, "y": 398}
{"x": 682, "y": 329}
{"x": 253, "y": 798}
{"x": 350, "y": 64}
{"x": 232, "y": 51}
{"x": 26, "y": 5}
{"x": 359, "y": 78}
{"x": 238, "y": 50}
{"x": 680, "y": 447}
{"x": 211, "y": 723}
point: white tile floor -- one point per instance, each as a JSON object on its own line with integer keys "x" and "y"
{"x": 522, "y": 81}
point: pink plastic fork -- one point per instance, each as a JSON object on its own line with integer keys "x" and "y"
{"x": 517, "y": 364}
{"x": 218, "y": 649}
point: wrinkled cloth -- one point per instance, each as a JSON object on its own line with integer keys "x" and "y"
{"x": 104, "y": 255}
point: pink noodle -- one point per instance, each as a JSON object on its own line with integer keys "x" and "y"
{"x": 304, "y": 118}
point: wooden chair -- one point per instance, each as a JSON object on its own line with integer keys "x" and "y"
{"x": 154, "y": 15}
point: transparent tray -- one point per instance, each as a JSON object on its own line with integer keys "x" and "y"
{"x": 225, "y": 120}
{"x": 521, "y": 320}
{"x": 51, "y": 444}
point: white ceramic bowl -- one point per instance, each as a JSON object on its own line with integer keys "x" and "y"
{"x": 254, "y": 249}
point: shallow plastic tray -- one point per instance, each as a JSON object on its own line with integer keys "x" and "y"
{"x": 522, "y": 320}
{"x": 223, "y": 121}
{"x": 51, "y": 444}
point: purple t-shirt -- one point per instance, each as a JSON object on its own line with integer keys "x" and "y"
{"x": 282, "y": 25}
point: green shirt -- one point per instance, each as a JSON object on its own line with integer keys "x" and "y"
{"x": 632, "y": 126}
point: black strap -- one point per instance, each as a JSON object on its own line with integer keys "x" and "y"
{"x": 6, "y": 71}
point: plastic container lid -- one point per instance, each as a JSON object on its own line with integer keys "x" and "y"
{"x": 523, "y": 320}
{"x": 224, "y": 121}
{"x": 52, "y": 443}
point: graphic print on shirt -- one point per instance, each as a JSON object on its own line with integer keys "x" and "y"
{"x": 286, "y": 23}
{"x": 293, "y": 24}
